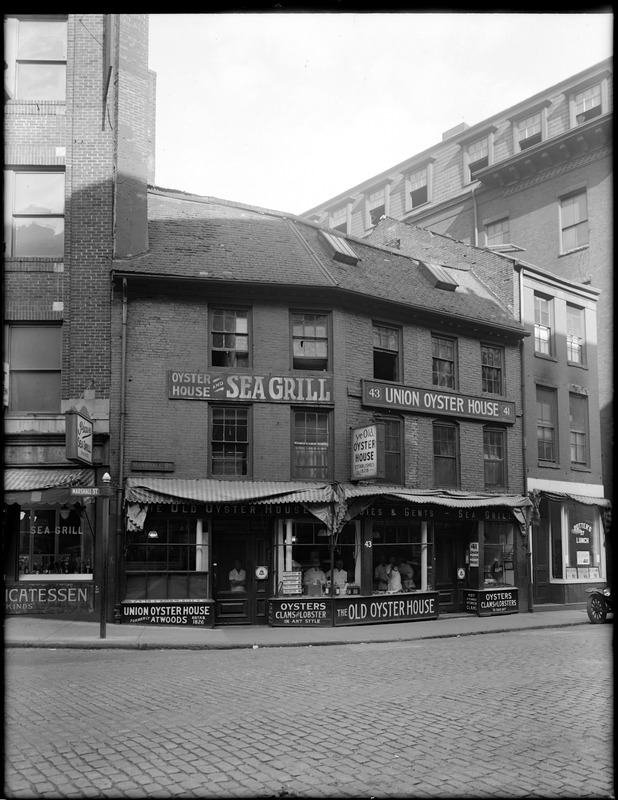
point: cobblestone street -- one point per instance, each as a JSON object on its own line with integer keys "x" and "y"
{"x": 504, "y": 715}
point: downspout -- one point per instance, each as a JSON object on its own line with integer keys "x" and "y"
{"x": 518, "y": 266}
{"x": 476, "y": 216}
{"x": 121, "y": 433}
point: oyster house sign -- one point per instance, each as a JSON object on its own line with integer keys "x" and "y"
{"x": 256, "y": 388}
{"x": 432, "y": 401}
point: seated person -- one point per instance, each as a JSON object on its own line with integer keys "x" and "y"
{"x": 237, "y": 577}
{"x": 339, "y": 576}
{"x": 407, "y": 575}
{"x": 380, "y": 575}
{"x": 314, "y": 576}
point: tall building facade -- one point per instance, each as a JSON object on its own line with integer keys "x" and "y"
{"x": 534, "y": 180}
{"x": 570, "y": 544}
{"x": 78, "y": 149}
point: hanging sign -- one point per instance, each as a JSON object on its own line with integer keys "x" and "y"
{"x": 79, "y": 443}
{"x": 367, "y": 452}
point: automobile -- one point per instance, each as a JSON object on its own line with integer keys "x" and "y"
{"x": 599, "y": 604}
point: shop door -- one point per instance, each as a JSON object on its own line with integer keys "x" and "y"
{"x": 451, "y": 543}
{"x": 540, "y": 554}
{"x": 248, "y": 607}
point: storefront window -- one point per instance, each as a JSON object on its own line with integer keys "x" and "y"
{"x": 400, "y": 553}
{"x": 54, "y": 545}
{"x": 576, "y": 542}
{"x": 168, "y": 559}
{"x": 305, "y": 554}
{"x": 498, "y": 554}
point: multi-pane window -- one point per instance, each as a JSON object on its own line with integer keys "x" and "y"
{"x": 35, "y": 58}
{"x": 34, "y": 213}
{"x": 574, "y": 221}
{"x": 311, "y": 444}
{"x": 418, "y": 188}
{"x": 497, "y": 232}
{"x": 575, "y": 334}
{"x": 543, "y": 316}
{"x": 309, "y": 340}
{"x": 546, "y": 423}
{"x": 52, "y": 543}
{"x": 229, "y": 330}
{"x": 529, "y": 131}
{"x": 167, "y": 559}
{"x": 339, "y": 219}
{"x": 494, "y": 451}
{"x": 35, "y": 360}
{"x": 393, "y": 471}
{"x": 492, "y": 368}
{"x": 588, "y": 104}
{"x": 386, "y": 355}
{"x": 444, "y": 355}
{"x": 478, "y": 156}
{"x": 445, "y": 456}
{"x": 376, "y": 206}
{"x": 578, "y": 415}
{"x": 229, "y": 442}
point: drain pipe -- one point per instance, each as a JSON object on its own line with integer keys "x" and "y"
{"x": 476, "y": 216}
{"x": 519, "y": 267}
{"x": 120, "y": 481}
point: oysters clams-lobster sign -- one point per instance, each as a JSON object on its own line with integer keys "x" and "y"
{"x": 431, "y": 401}
{"x": 242, "y": 387}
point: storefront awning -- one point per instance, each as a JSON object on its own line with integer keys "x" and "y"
{"x": 587, "y": 500}
{"x": 45, "y": 487}
{"x": 173, "y": 490}
{"x": 440, "y": 497}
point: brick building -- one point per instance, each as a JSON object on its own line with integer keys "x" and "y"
{"x": 560, "y": 377}
{"x": 78, "y": 131}
{"x": 288, "y": 396}
{"x": 535, "y": 180}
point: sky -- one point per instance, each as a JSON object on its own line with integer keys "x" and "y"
{"x": 287, "y": 110}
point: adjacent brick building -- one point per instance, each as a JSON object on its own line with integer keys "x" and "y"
{"x": 535, "y": 179}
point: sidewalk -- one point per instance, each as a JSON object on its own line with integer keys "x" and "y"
{"x": 23, "y": 631}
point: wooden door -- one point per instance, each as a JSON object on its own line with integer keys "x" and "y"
{"x": 451, "y": 541}
{"x": 248, "y": 607}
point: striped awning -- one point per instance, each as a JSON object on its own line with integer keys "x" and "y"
{"x": 439, "y": 497}
{"x": 203, "y": 490}
{"x": 44, "y": 487}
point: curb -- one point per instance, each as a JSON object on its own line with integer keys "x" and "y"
{"x": 102, "y": 644}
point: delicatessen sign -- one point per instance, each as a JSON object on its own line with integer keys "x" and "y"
{"x": 254, "y": 388}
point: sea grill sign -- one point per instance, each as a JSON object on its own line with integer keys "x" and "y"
{"x": 79, "y": 436}
{"x": 431, "y": 401}
{"x": 254, "y": 388}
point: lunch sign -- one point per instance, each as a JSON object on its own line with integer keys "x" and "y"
{"x": 431, "y": 401}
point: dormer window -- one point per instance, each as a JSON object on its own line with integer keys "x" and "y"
{"x": 375, "y": 207}
{"x": 589, "y": 99}
{"x": 418, "y": 186}
{"x": 588, "y": 104}
{"x": 340, "y": 249}
{"x": 339, "y": 219}
{"x": 529, "y": 131}
{"x": 478, "y": 152}
{"x": 530, "y": 126}
{"x": 438, "y": 276}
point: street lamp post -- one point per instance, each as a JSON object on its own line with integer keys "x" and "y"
{"x": 104, "y": 552}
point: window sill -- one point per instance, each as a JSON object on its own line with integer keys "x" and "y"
{"x": 548, "y": 465}
{"x": 577, "y": 365}
{"x": 574, "y": 250}
{"x": 545, "y": 357}
{"x": 584, "y": 468}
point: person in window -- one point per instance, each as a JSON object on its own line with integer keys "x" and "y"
{"x": 407, "y": 575}
{"x": 314, "y": 576}
{"x": 339, "y": 576}
{"x": 380, "y": 575}
{"x": 394, "y": 576}
{"x": 238, "y": 578}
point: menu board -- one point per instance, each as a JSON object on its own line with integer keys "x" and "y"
{"x": 292, "y": 582}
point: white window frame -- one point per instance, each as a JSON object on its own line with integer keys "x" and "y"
{"x": 493, "y": 224}
{"x": 575, "y": 92}
{"x": 563, "y": 199}
{"x": 468, "y": 143}
{"x": 378, "y": 195}
{"x": 411, "y": 183}
{"x": 10, "y": 176}
{"x": 11, "y": 38}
